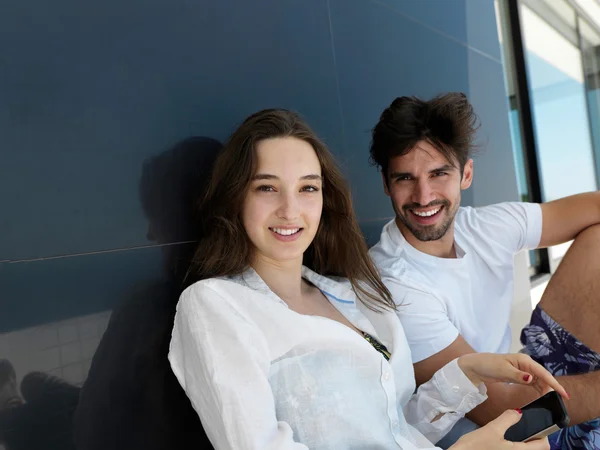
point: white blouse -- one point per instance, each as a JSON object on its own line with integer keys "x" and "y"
{"x": 263, "y": 377}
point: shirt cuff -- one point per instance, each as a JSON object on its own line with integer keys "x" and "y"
{"x": 458, "y": 392}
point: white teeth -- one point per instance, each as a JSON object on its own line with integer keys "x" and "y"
{"x": 285, "y": 231}
{"x": 427, "y": 213}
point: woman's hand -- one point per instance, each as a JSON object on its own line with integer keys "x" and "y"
{"x": 511, "y": 368}
{"x": 491, "y": 436}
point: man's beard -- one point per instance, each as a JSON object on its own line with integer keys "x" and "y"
{"x": 427, "y": 233}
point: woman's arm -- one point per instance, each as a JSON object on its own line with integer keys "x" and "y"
{"x": 449, "y": 395}
{"x": 222, "y": 362}
{"x": 439, "y": 403}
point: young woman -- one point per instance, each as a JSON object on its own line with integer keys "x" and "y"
{"x": 290, "y": 340}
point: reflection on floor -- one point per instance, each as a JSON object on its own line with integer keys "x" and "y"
{"x": 64, "y": 348}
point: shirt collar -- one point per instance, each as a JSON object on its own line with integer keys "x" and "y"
{"x": 338, "y": 291}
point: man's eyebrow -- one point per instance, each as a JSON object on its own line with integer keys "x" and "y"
{"x": 444, "y": 168}
{"x": 400, "y": 174}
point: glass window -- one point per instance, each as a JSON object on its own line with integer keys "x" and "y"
{"x": 563, "y": 11}
{"x": 591, "y": 8}
{"x": 514, "y": 117}
{"x": 590, "y": 47}
{"x": 559, "y": 110}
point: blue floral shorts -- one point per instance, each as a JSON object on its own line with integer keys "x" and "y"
{"x": 562, "y": 354}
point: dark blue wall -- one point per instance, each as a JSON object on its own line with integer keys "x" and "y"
{"x": 92, "y": 90}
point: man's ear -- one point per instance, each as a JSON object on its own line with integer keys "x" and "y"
{"x": 467, "y": 175}
{"x": 385, "y": 184}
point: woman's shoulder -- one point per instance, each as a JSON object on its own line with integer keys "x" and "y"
{"x": 219, "y": 300}
{"x": 223, "y": 288}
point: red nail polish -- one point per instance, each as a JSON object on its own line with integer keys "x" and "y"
{"x": 568, "y": 395}
{"x": 526, "y": 378}
{"x": 519, "y": 411}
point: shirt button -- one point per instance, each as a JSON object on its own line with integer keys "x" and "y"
{"x": 394, "y": 423}
{"x": 455, "y": 388}
{"x": 386, "y": 376}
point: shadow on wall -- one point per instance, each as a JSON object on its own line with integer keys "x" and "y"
{"x": 131, "y": 399}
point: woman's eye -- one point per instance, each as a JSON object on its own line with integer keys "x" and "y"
{"x": 310, "y": 189}
{"x": 265, "y": 188}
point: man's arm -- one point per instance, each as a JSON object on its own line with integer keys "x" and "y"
{"x": 584, "y": 389}
{"x": 565, "y": 218}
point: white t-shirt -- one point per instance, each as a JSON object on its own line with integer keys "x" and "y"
{"x": 471, "y": 294}
{"x": 262, "y": 376}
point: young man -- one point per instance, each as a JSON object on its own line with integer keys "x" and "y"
{"x": 451, "y": 268}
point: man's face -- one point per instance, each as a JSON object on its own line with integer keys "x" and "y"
{"x": 425, "y": 191}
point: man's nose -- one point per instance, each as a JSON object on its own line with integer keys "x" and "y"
{"x": 422, "y": 193}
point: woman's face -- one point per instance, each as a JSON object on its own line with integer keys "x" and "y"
{"x": 282, "y": 209}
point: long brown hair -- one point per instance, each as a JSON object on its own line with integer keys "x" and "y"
{"x": 338, "y": 248}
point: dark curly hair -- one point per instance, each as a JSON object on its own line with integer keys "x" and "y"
{"x": 448, "y": 122}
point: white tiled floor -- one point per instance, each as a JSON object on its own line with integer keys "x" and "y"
{"x": 62, "y": 348}
{"x": 521, "y": 314}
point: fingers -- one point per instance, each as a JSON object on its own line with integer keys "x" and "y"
{"x": 541, "y": 377}
{"x": 515, "y": 375}
{"x": 506, "y": 420}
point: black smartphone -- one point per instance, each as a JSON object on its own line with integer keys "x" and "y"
{"x": 541, "y": 418}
